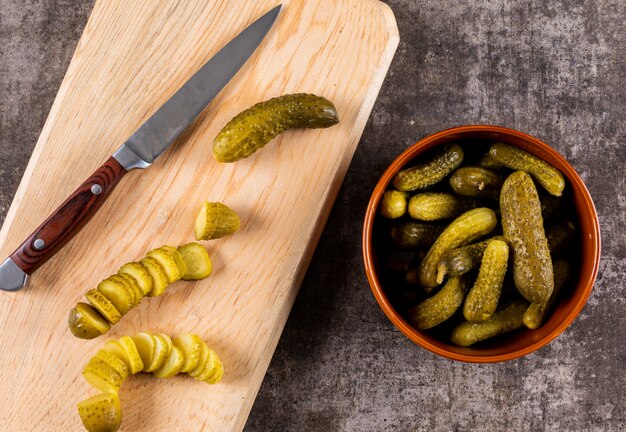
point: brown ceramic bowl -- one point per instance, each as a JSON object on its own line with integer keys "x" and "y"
{"x": 520, "y": 342}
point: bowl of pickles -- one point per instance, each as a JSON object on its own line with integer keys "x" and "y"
{"x": 481, "y": 243}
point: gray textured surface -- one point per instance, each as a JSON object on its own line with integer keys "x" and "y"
{"x": 554, "y": 69}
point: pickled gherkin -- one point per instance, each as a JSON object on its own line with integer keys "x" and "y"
{"x": 439, "y": 307}
{"x": 251, "y": 129}
{"x": 432, "y": 206}
{"x": 523, "y": 229}
{"x": 393, "y": 204}
{"x": 476, "y": 182}
{"x": 509, "y": 318}
{"x": 545, "y": 174}
{"x": 415, "y": 235}
{"x": 464, "y": 229}
{"x": 431, "y": 172}
{"x": 459, "y": 261}
{"x": 536, "y": 313}
{"x": 482, "y": 299}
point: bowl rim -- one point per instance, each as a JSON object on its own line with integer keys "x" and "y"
{"x": 381, "y": 298}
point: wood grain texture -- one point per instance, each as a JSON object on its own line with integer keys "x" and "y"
{"x": 69, "y": 217}
{"x": 130, "y": 59}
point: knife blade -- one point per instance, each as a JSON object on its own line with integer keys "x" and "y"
{"x": 146, "y": 144}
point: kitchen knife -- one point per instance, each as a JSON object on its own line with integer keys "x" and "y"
{"x": 138, "y": 152}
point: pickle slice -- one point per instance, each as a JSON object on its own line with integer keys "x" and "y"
{"x": 167, "y": 262}
{"x": 210, "y": 366}
{"x": 191, "y": 345}
{"x": 132, "y": 354}
{"x": 86, "y": 322}
{"x": 101, "y": 413}
{"x": 159, "y": 277}
{"x": 162, "y": 350}
{"x": 132, "y": 286}
{"x": 116, "y": 349}
{"x": 173, "y": 364}
{"x": 117, "y": 293}
{"x": 215, "y": 220}
{"x": 218, "y": 373}
{"x": 204, "y": 357}
{"x": 146, "y": 347}
{"x": 102, "y": 376}
{"x": 120, "y": 365}
{"x": 141, "y": 275}
{"x": 103, "y": 305}
{"x": 180, "y": 262}
{"x": 197, "y": 261}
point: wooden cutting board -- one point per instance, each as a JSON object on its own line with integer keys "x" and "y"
{"x": 132, "y": 56}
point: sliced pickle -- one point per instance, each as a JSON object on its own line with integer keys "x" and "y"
{"x": 180, "y": 262}
{"x": 132, "y": 354}
{"x": 167, "y": 262}
{"x": 86, "y": 322}
{"x": 159, "y": 277}
{"x": 102, "y": 376}
{"x": 118, "y": 294}
{"x": 173, "y": 364}
{"x": 132, "y": 286}
{"x": 104, "y": 306}
{"x": 116, "y": 349}
{"x": 204, "y": 357}
{"x": 197, "y": 261}
{"x": 146, "y": 346}
{"x": 217, "y": 374}
{"x": 141, "y": 275}
{"x": 191, "y": 345}
{"x": 160, "y": 354}
{"x": 209, "y": 367}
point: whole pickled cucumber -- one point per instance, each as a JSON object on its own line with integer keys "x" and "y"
{"x": 549, "y": 177}
{"x": 482, "y": 299}
{"x": 560, "y": 237}
{"x": 523, "y": 229}
{"x": 415, "y": 235}
{"x": 509, "y": 318}
{"x": 459, "y": 261}
{"x": 476, "y": 182}
{"x": 393, "y": 204}
{"x": 251, "y": 129}
{"x": 432, "y": 206}
{"x": 536, "y": 313}
{"x": 461, "y": 231}
{"x": 440, "y": 307}
{"x": 427, "y": 174}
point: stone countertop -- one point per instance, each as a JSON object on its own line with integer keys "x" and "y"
{"x": 556, "y": 70}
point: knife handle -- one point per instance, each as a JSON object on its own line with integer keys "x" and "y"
{"x": 69, "y": 218}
